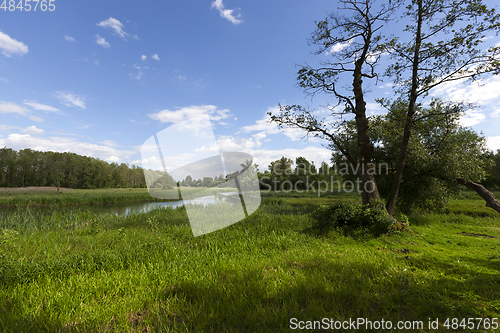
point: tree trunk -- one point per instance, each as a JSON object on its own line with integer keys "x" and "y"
{"x": 365, "y": 167}
{"x": 398, "y": 177}
{"x": 490, "y": 199}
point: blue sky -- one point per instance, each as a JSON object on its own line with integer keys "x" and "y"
{"x": 99, "y": 78}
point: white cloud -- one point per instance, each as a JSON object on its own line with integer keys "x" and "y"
{"x": 63, "y": 132}
{"x": 483, "y": 90}
{"x": 114, "y": 24}
{"x": 6, "y": 128}
{"x": 182, "y": 77}
{"x": 373, "y": 108}
{"x": 493, "y": 143}
{"x": 101, "y": 41}
{"x": 230, "y": 143}
{"x": 339, "y": 47}
{"x": 496, "y": 113}
{"x": 33, "y": 130}
{"x": 264, "y": 127}
{"x": 113, "y": 159}
{"x": 2, "y": 79}
{"x": 143, "y": 57}
{"x": 472, "y": 118}
{"x": 70, "y": 99}
{"x": 69, "y": 38}
{"x": 137, "y": 76}
{"x": 8, "y": 107}
{"x": 388, "y": 85}
{"x": 64, "y": 144}
{"x": 193, "y": 111}
{"x": 109, "y": 143}
{"x": 228, "y": 14}
{"x": 155, "y": 57}
{"x": 10, "y": 46}
{"x": 41, "y": 107}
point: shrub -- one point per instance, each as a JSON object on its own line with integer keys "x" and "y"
{"x": 352, "y": 219}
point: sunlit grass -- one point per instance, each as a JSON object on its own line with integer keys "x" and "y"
{"x": 81, "y": 271}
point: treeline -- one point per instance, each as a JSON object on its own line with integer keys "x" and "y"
{"x": 29, "y": 167}
{"x": 301, "y": 174}
{"x": 285, "y": 174}
{"x": 158, "y": 179}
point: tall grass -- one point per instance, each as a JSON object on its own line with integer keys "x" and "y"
{"x": 85, "y": 272}
{"x": 66, "y": 197}
{"x": 72, "y": 197}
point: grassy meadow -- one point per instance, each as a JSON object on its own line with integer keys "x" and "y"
{"x": 69, "y": 271}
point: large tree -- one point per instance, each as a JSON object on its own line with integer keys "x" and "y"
{"x": 353, "y": 43}
{"x": 443, "y": 44}
{"x": 441, "y": 155}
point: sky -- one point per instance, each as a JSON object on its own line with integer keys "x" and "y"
{"x": 99, "y": 78}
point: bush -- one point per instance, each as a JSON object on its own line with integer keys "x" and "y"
{"x": 352, "y": 219}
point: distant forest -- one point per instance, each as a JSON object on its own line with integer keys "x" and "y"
{"x": 35, "y": 168}
{"x": 29, "y": 167}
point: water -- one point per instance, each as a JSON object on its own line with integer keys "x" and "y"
{"x": 128, "y": 208}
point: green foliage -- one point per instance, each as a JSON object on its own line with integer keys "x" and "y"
{"x": 493, "y": 176}
{"x": 352, "y": 219}
{"x": 440, "y": 151}
{"x": 36, "y": 168}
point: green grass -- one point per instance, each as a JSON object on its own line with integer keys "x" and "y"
{"x": 71, "y": 197}
{"x": 83, "y": 272}
{"x": 67, "y": 197}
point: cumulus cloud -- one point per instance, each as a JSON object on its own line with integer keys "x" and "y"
{"x": 69, "y": 38}
{"x": 193, "y": 111}
{"x": 41, "y": 107}
{"x": 493, "y": 142}
{"x": 114, "y": 24}
{"x": 228, "y": 14}
{"x": 143, "y": 57}
{"x": 33, "y": 130}
{"x": 155, "y": 57}
{"x": 10, "y": 46}
{"x": 70, "y": 99}
{"x": 101, "y": 41}
{"x": 230, "y": 143}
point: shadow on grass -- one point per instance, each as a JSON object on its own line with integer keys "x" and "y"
{"x": 250, "y": 302}
{"x": 266, "y": 299}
